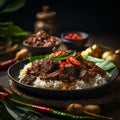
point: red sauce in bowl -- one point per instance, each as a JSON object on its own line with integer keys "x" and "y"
{"x": 74, "y": 36}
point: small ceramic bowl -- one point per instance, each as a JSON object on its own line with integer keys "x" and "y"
{"x": 41, "y": 43}
{"x": 37, "y": 50}
{"x": 75, "y": 40}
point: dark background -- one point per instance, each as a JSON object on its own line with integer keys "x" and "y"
{"x": 70, "y": 15}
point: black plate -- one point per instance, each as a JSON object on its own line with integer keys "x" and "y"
{"x": 98, "y": 91}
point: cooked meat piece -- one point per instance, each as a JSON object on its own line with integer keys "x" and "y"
{"x": 48, "y": 66}
{"x": 28, "y": 80}
{"x": 41, "y": 38}
{"x": 79, "y": 57}
{"x": 35, "y": 69}
{"x": 98, "y": 70}
{"x": 51, "y": 76}
{"x": 68, "y": 73}
{"x": 64, "y": 78}
{"x": 42, "y": 67}
{"x": 83, "y": 73}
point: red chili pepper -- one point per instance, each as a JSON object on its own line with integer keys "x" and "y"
{"x": 63, "y": 63}
{"x": 61, "y": 114}
{"x": 5, "y": 95}
{"x": 42, "y": 109}
{"x": 51, "y": 111}
{"x": 73, "y": 60}
{"x": 7, "y": 64}
{"x": 58, "y": 53}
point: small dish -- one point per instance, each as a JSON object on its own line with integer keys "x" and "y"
{"x": 41, "y": 43}
{"x": 74, "y": 39}
{"x": 34, "y": 50}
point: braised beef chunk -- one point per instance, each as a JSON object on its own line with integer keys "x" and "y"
{"x": 28, "y": 79}
{"x": 48, "y": 66}
{"x": 51, "y": 70}
{"x": 82, "y": 73}
{"x": 42, "y": 67}
{"x": 79, "y": 57}
{"x": 99, "y": 70}
{"x": 35, "y": 69}
{"x": 52, "y": 76}
{"x": 68, "y": 73}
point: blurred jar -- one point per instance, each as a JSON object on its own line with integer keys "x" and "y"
{"x": 46, "y": 21}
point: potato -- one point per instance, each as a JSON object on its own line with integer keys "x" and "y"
{"x": 106, "y": 54}
{"x": 95, "y": 51}
{"x": 93, "y": 109}
{"x": 115, "y": 59}
{"x": 117, "y": 51}
{"x": 75, "y": 108}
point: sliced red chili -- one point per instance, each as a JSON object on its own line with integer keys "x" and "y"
{"x": 63, "y": 63}
{"x": 73, "y": 60}
{"x": 58, "y": 53}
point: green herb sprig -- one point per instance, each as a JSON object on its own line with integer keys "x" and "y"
{"x": 10, "y": 31}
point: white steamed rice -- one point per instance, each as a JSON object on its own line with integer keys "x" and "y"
{"x": 55, "y": 84}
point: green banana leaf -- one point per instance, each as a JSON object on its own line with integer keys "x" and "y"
{"x": 2, "y": 2}
{"x": 104, "y": 64}
{"x": 11, "y": 32}
{"x": 8, "y": 6}
{"x": 9, "y": 29}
